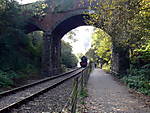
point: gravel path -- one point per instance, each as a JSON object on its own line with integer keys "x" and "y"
{"x": 108, "y": 96}
{"x": 51, "y": 102}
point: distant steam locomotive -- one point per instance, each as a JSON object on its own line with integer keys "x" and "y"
{"x": 83, "y": 62}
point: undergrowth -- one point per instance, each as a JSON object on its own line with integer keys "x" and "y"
{"x": 6, "y": 78}
{"x": 81, "y": 100}
{"x": 83, "y": 93}
{"x": 138, "y": 79}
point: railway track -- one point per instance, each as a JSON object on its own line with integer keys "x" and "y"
{"x": 14, "y": 98}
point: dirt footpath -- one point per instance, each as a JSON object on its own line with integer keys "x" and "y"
{"x": 108, "y": 96}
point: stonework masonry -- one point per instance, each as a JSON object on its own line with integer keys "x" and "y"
{"x": 61, "y": 17}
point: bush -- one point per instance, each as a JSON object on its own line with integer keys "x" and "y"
{"x": 6, "y": 78}
{"x": 29, "y": 69}
{"x": 138, "y": 83}
{"x": 5, "y": 81}
{"x": 106, "y": 67}
{"x": 67, "y": 57}
{"x": 143, "y": 71}
{"x": 138, "y": 79}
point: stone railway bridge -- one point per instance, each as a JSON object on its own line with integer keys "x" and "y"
{"x": 60, "y": 17}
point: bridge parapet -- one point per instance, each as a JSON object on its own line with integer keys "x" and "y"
{"x": 48, "y": 14}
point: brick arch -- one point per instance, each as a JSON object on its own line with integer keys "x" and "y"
{"x": 69, "y": 24}
{"x": 69, "y": 15}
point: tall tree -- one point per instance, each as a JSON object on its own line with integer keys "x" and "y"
{"x": 126, "y": 21}
{"x": 68, "y": 58}
{"x": 102, "y": 44}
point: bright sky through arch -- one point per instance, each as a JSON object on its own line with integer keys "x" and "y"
{"x": 26, "y": 1}
{"x": 84, "y": 39}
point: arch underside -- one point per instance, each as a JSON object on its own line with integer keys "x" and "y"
{"x": 69, "y": 24}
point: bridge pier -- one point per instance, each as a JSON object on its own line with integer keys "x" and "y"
{"x": 46, "y": 69}
{"x": 56, "y": 55}
{"x": 51, "y": 54}
{"x": 120, "y": 60}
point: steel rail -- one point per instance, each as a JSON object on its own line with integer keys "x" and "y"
{"x": 29, "y": 98}
{"x": 5, "y": 93}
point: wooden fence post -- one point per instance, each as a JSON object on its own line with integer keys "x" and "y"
{"x": 74, "y": 96}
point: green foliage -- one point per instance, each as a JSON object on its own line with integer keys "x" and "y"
{"x": 37, "y": 8}
{"x": 126, "y": 21}
{"x": 64, "y": 68}
{"x": 91, "y": 54}
{"x": 11, "y": 34}
{"x": 139, "y": 79}
{"x": 107, "y": 67}
{"x": 141, "y": 56}
{"x": 100, "y": 51}
{"x": 19, "y": 52}
{"x": 102, "y": 44}
{"x": 139, "y": 83}
{"x": 11, "y": 20}
{"x": 71, "y": 35}
{"x": 68, "y": 58}
{"x": 83, "y": 93}
{"x": 143, "y": 71}
{"x": 19, "y": 55}
{"x": 6, "y": 78}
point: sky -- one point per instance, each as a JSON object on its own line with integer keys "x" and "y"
{"x": 26, "y": 1}
{"x": 83, "y": 37}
